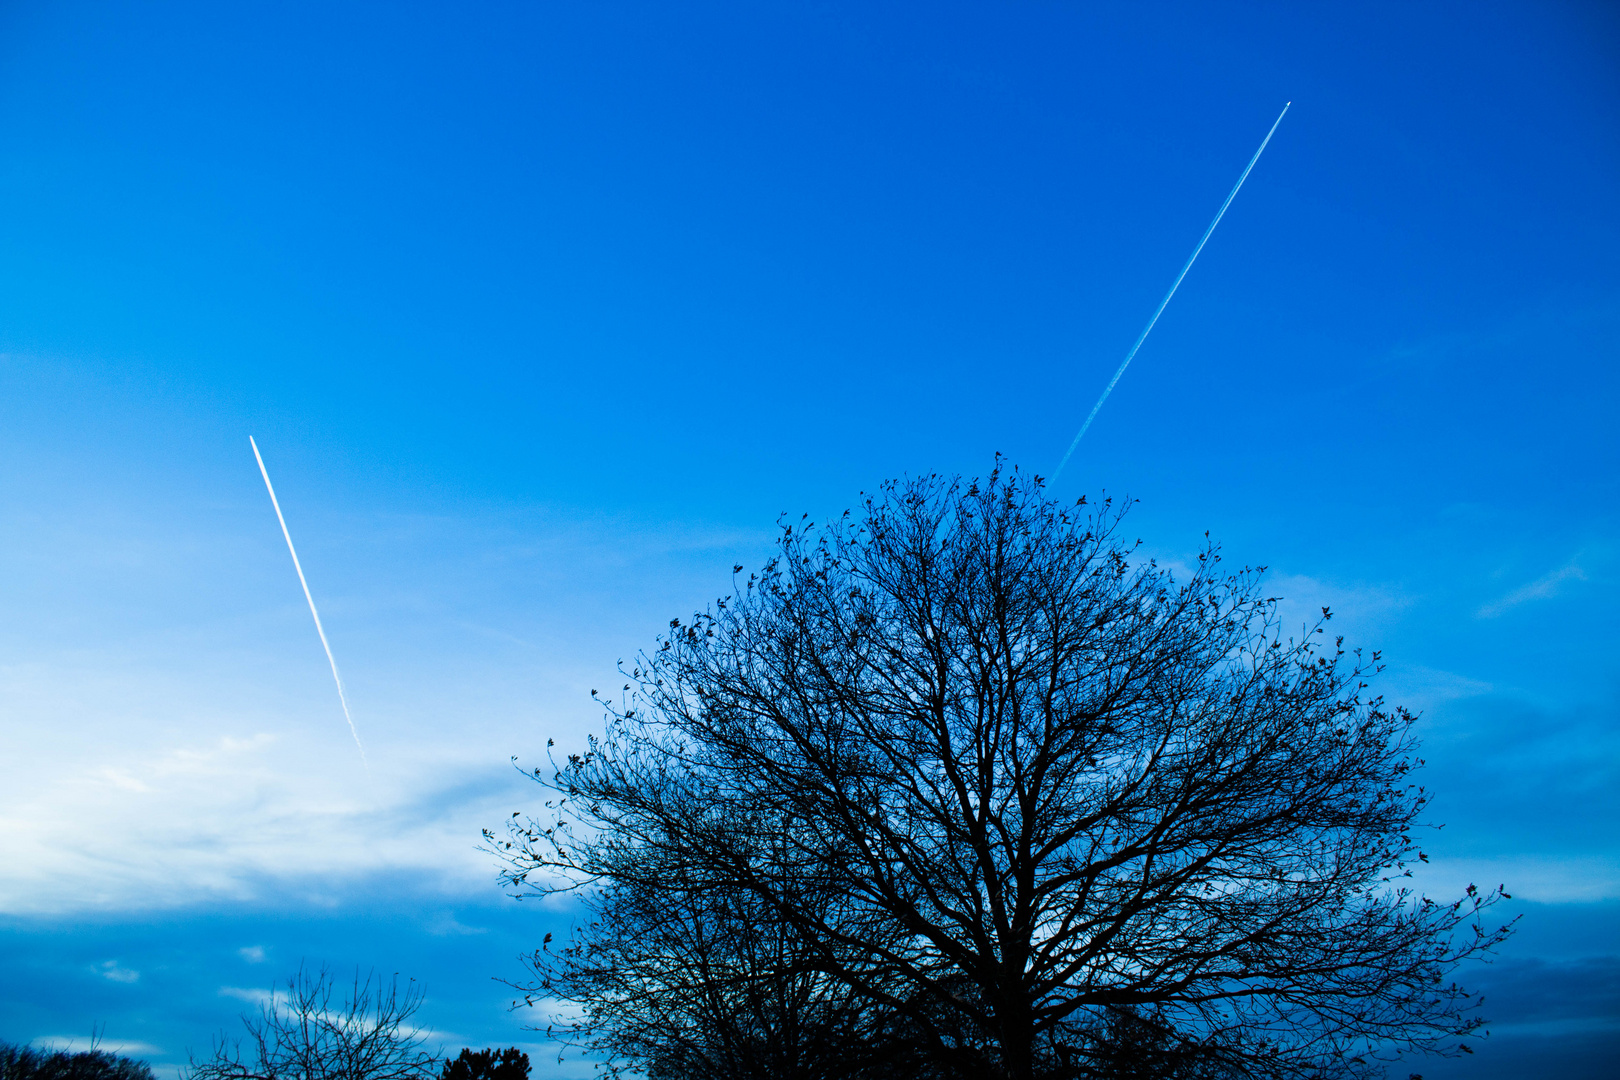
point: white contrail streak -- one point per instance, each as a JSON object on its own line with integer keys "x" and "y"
{"x": 1109, "y": 389}
{"x": 342, "y": 699}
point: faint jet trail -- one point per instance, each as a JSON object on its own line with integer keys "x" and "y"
{"x": 1109, "y": 389}
{"x": 342, "y": 699}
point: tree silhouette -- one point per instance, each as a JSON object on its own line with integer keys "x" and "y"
{"x": 1017, "y": 794}
{"x": 303, "y": 1033}
{"x": 708, "y": 983}
{"x": 26, "y": 1063}
{"x": 508, "y": 1064}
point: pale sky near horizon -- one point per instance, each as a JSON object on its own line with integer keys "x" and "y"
{"x": 541, "y": 316}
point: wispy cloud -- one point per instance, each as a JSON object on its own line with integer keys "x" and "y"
{"x": 211, "y": 775}
{"x": 446, "y": 925}
{"x": 247, "y": 994}
{"x": 110, "y": 969}
{"x": 253, "y": 954}
{"x": 1547, "y": 879}
{"x": 1543, "y": 588}
{"x": 79, "y": 1043}
{"x": 1419, "y": 687}
{"x": 232, "y": 818}
{"x": 1360, "y": 610}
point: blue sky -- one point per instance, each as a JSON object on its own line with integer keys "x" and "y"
{"x": 542, "y": 314}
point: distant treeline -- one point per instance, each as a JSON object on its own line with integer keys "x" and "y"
{"x": 26, "y": 1063}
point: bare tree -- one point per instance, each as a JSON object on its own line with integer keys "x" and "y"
{"x": 302, "y": 1033}
{"x": 1058, "y": 794}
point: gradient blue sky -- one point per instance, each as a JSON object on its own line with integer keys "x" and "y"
{"x": 542, "y": 314}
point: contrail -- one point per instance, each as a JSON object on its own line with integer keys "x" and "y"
{"x": 1109, "y": 389}
{"x": 342, "y": 699}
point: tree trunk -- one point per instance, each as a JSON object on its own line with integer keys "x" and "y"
{"x": 1017, "y": 1043}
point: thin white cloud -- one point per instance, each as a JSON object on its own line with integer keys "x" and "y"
{"x": 1574, "y": 879}
{"x": 172, "y": 746}
{"x": 230, "y": 818}
{"x": 544, "y": 1011}
{"x": 1543, "y": 588}
{"x": 110, "y": 970}
{"x": 79, "y": 1043}
{"x": 1361, "y": 611}
{"x": 253, "y": 954}
{"x": 120, "y": 779}
{"x": 445, "y": 924}
{"x": 1420, "y": 688}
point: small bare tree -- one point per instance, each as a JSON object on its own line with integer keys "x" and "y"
{"x": 1053, "y": 807}
{"x": 301, "y": 1033}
